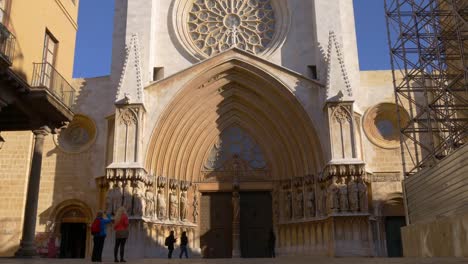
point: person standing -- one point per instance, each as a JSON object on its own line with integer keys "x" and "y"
{"x": 170, "y": 240}
{"x": 98, "y": 229}
{"x": 183, "y": 245}
{"x": 271, "y": 244}
{"x": 121, "y": 233}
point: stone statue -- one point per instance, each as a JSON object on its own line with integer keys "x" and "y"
{"x": 149, "y": 209}
{"x": 173, "y": 205}
{"x": 109, "y": 207}
{"x": 161, "y": 205}
{"x": 139, "y": 200}
{"x": 311, "y": 203}
{"x": 299, "y": 204}
{"x": 288, "y": 205}
{"x": 344, "y": 205}
{"x": 116, "y": 196}
{"x": 195, "y": 206}
{"x": 235, "y": 207}
{"x": 333, "y": 192}
{"x": 319, "y": 201}
{"x": 275, "y": 198}
{"x": 363, "y": 200}
{"x": 183, "y": 206}
{"x": 127, "y": 198}
{"x": 353, "y": 196}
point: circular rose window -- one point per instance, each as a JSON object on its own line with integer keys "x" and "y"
{"x": 78, "y": 136}
{"x": 381, "y": 124}
{"x": 208, "y": 27}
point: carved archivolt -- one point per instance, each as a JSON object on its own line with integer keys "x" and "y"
{"x": 183, "y": 139}
{"x": 208, "y": 27}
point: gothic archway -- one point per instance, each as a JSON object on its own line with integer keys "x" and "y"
{"x": 234, "y": 93}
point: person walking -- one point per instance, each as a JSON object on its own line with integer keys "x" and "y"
{"x": 271, "y": 244}
{"x": 98, "y": 230}
{"x": 169, "y": 243}
{"x": 183, "y": 245}
{"x": 121, "y": 233}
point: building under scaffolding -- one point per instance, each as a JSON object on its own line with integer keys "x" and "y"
{"x": 429, "y": 50}
{"x": 428, "y": 42}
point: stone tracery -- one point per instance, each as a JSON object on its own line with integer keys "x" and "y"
{"x": 215, "y": 26}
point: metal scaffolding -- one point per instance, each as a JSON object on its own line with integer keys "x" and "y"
{"x": 428, "y": 42}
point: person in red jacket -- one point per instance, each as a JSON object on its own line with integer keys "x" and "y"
{"x": 121, "y": 233}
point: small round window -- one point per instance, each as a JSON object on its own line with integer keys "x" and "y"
{"x": 78, "y": 136}
{"x": 381, "y": 124}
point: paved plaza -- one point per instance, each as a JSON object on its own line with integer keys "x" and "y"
{"x": 283, "y": 260}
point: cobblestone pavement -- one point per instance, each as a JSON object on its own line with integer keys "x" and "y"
{"x": 283, "y": 260}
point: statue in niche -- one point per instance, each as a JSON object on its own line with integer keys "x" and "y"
{"x": 139, "y": 200}
{"x": 353, "y": 196}
{"x": 333, "y": 193}
{"x": 319, "y": 201}
{"x": 300, "y": 204}
{"x": 344, "y": 205}
{"x": 149, "y": 209}
{"x": 109, "y": 207}
{"x": 311, "y": 203}
{"x": 235, "y": 207}
{"x": 183, "y": 206}
{"x": 128, "y": 198}
{"x": 288, "y": 205}
{"x": 195, "y": 206}
{"x": 363, "y": 200}
{"x": 116, "y": 195}
{"x": 161, "y": 204}
{"x": 173, "y": 205}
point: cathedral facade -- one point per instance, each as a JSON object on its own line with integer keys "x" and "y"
{"x": 227, "y": 119}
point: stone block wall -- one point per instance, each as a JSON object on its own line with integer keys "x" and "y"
{"x": 15, "y": 159}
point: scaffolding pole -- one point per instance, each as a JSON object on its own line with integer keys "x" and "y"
{"x": 428, "y": 41}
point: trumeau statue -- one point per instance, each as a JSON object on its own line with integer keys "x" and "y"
{"x": 344, "y": 206}
{"x": 353, "y": 196}
{"x": 149, "y": 209}
{"x": 333, "y": 192}
{"x": 363, "y": 200}
{"x": 235, "y": 207}
{"x": 183, "y": 206}
{"x": 127, "y": 196}
{"x": 161, "y": 206}
{"x": 173, "y": 205}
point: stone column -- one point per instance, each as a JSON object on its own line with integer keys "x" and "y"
{"x": 27, "y": 245}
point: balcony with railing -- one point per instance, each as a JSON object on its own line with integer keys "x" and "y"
{"x": 7, "y": 41}
{"x": 46, "y": 76}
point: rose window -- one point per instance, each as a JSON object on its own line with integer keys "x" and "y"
{"x": 217, "y": 25}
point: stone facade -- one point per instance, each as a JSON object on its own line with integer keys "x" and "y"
{"x": 237, "y": 121}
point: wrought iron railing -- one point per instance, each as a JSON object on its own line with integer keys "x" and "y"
{"x": 45, "y": 75}
{"x": 7, "y": 41}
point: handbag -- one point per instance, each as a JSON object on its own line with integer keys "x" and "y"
{"x": 121, "y": 233}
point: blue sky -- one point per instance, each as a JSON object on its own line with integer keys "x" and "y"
{"x": 94, "y": 39}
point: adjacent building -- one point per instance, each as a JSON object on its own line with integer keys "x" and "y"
{"x": 37, "y": 44}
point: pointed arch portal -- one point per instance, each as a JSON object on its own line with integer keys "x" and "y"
{"x": 234, "y": 94}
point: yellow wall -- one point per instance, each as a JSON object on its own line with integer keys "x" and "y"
{"x": 28, "y": 21}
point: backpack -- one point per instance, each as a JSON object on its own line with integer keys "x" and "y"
{"x": 166, "y": 243}
{"x": 96, "y": 226}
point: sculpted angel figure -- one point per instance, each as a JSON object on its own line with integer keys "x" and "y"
{"x": 173, "y": 205}
{"x": 183, "y": 206}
